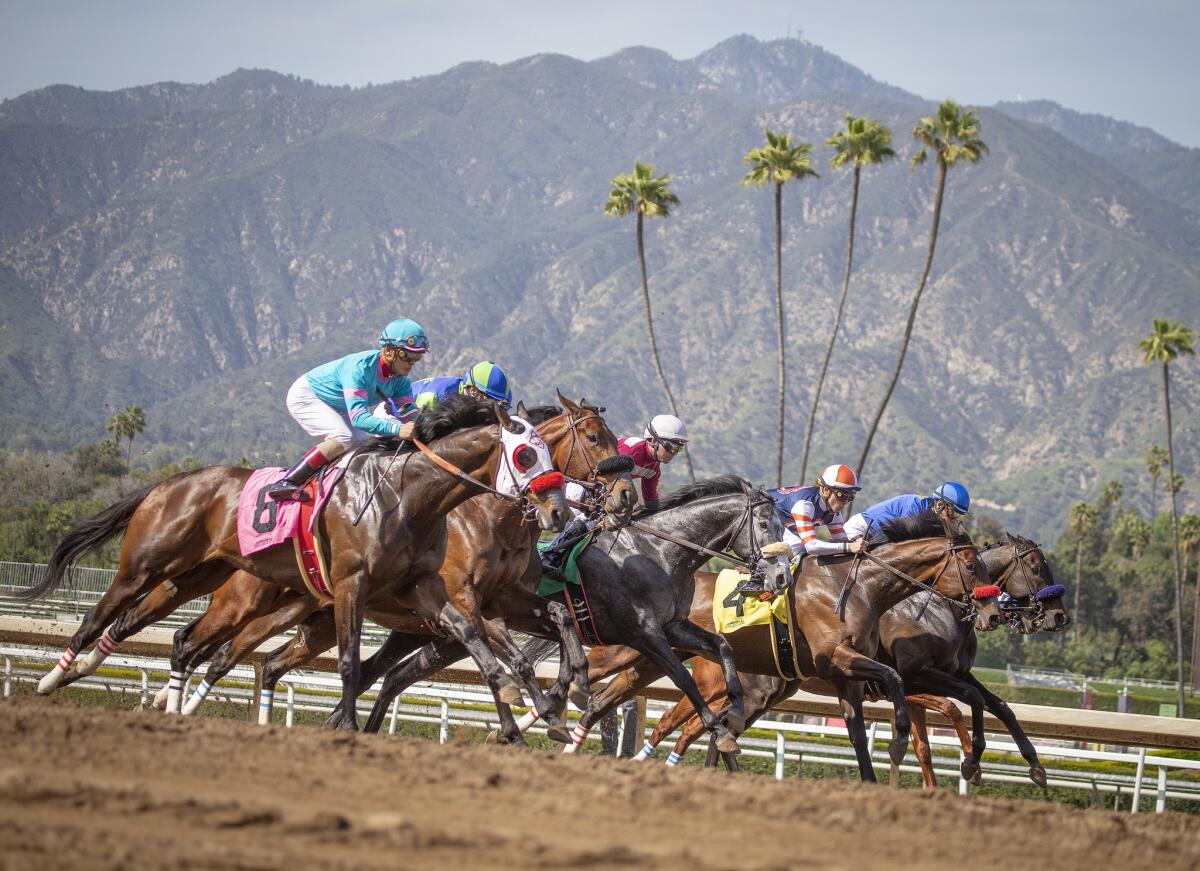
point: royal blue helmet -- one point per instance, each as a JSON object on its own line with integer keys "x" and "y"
{"x": 490, "y": 380}
{"x": 955, "y": 495}
{"x": 404, "y": 334}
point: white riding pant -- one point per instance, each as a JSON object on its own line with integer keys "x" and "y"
{"x": 320, "y": 420}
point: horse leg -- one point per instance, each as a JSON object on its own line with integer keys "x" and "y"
{"x": 315, "y": 636}
{"x": 1002, "y": 712}
{"x": 686, "y": 635}
{"x": 393, "y": 650}
{"x": 541, "y": 705}
{"x": 936, "y": 682}
{"x": 349, "y": 607}
{"x": 950, "y": 711}
{"x": 128, "y": 587}
{"x": 621, "y": 688}
{"x": 856, "y": 667}
{"x": 851, "y": 700}
{"x": 430, "y": 659}
{"x": 920, "y": 741}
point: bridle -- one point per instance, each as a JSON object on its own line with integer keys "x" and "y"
{"x": 1037, "y": 610}
{"x": 953, "y": 546}
{"x": 597, "y": 491}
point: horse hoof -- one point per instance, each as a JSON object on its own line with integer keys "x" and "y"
{"x": 897, "y": 747}
{"x": 511, "y": 695}
{"x": 969, "y": 769}
{"x": 560, "y": 733}
{"x": 726, "y": 743}
{"x": 578, "y": 697}
{"x": 1038, "y": 775}
{"x": 735, "y": 722}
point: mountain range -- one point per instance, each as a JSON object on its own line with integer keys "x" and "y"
{"x": 193, "y": 248}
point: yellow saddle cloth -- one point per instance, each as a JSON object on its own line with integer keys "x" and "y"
{"x": 732, "y": 612}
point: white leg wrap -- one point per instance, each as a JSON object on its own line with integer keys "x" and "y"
{"x": 578, "y": 736}
{"x": 175, "y": 692}
{"x": 265, "y": 700}
{"x": 645, "y": 753}
{"x": 674, "y": 758}
{"x": 196, "y": 698}
{"x": 526, "y": 720}
{"x": 159, "y": 703}
{"x": 102, "y": 651}
{"x": 50, "y": 682}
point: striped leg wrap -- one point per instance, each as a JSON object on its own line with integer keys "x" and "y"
{"x": 527, "y": 720}
{"x": 175, "y": 692}
{"x": 197, "y": 697}
{"x": 103, "y": 649}
{"x": 579, "y": 735}
{"x": 266, "y": 699}
{"x": 106, "y": 645}
{"x": 51, "y": 681}
{"x": 645, "y": 753}
{"x": 674, "y": 758}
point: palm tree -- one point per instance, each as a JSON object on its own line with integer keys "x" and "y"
{"x": 777, "y": 163}
{"x": 1110, "y": 496}
{"x": 953, "y": 135}
{"x": 126, "y": 424}
{"x": 1189, "y": 542}
{"x": 863, "y": 142}
{"x": 1167, "y": 342}
{"x": 646, "y": 196}
{"x": 1156, "y": 458}
{"x": 1081, "y": 520}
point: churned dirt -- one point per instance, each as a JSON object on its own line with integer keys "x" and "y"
{"x": 94, "y": 787}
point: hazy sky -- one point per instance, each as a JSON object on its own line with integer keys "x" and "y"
{"x": 1137, "y": 61}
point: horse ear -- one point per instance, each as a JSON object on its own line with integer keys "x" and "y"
{"x": 570, "y": 406}
{"x": 502, "y": 416}
{"x": 521, "y": 410}
{"x": 1009, "y": 537}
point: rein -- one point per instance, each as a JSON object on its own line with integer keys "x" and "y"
{"x": 965, "y": 605}
{"x": 447, "y": 466}
{"x": 755, "y": 552}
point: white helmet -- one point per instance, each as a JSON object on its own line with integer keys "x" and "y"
{"x": 666, "y": 428}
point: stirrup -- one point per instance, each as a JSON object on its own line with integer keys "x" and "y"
{"x": 552, "y": 571}
{"x": 287, "y": 491}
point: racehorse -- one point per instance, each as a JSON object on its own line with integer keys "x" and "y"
{"x": 489, "y": 550}
{"x": 922, "y": 640}
{"x": 184, "y": 529}
{"x": 836, "y": 645}
{"x": 639, "y": 583}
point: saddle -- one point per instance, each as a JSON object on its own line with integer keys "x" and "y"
{"x": 761, "y": 633}
{"x": 566, "y": 585}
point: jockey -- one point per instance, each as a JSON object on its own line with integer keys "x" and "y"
{"x": 664, "y": 437}
{"x": 951, "y": 494}
{"x": 484, "y": 380}
{"x": 802, "y": 509}
{"x": 333, "y": 402}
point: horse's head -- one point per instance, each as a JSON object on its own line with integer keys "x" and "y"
{"x": 1037, "y": 601}
{"x": 585, "y": 448}
{"x": 758, "y": 539}
{"x": 966, "y": 576}
{"x": 526, "y": 469}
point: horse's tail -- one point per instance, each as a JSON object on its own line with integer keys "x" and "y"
{"x": 537, "y": 649}
{"x": 84, "y": 536}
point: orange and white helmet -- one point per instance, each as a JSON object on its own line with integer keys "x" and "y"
{"x": 840, "y": 477}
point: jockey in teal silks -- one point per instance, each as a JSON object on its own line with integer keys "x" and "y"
{"x": 485, "y": 381}
{"x": 950, "y": 494}
{"x": 346, "y": 401}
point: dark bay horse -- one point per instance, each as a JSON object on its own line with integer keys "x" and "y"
{"x": 640, "y": 587}
{"x": 919, "y": 639}
{"x": 490, "y": 549}
{"x": 838, "y": 650}
{"x": 184, "y": 529}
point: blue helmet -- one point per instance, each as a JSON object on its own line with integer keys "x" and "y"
{"x": 490, "y": 380}
{"x": 955, "y": 495}
{"x": 405, "y": 334}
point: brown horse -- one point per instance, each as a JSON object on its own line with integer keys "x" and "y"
{"x": 916, "y": 638}
{"x": 184, "y": 529}
{"x": 835, "y": 649}
{"x": 489, "y": 550}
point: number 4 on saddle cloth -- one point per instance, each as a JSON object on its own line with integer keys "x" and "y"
{"x": 568, "y": 588}
{"x": 263, "y": 523}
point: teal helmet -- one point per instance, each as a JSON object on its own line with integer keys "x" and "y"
{"x": 955, "y": 495}
{"x": 490, "y": 380}
{"x": 406, "y": 335}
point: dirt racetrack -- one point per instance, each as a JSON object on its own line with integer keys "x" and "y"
{"x": 95, "y": 787}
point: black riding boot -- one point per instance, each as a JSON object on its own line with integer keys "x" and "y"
{"x": 556, "y": 552}
{"x": 291, "y": 486}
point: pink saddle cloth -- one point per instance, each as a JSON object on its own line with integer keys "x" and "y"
{"x": 261, "y": 521}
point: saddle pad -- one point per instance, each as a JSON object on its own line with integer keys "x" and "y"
{"x": 743, "y": 611}
{"x": 549, "y": 586}
{"x": 261, "y": 521}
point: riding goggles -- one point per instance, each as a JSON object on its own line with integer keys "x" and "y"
{"x": 672, "y": 446}
{"x": 412, "y": 345}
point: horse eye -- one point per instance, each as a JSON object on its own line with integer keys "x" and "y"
{"x": 593, "y": 438}
{"x": 971, "y": 567}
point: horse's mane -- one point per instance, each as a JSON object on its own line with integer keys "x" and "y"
{"x": 451, "y": 414}
{"x": 539, "y": 414}
{"x": 723, "y": 485}
{"x": 925, "y": 524}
